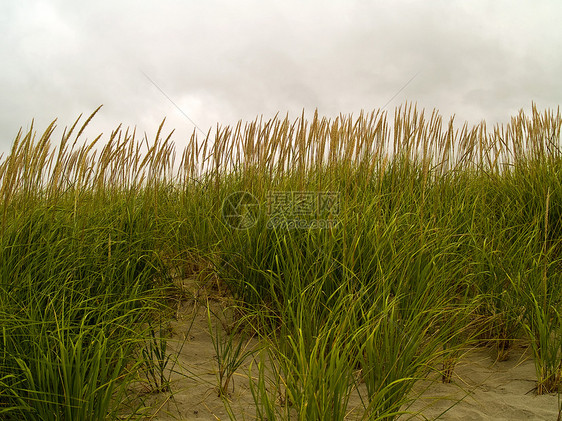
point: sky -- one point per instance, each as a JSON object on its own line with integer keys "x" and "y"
{"x": 202, "y": 63}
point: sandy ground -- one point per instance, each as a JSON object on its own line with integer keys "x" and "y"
{"x": 482, "y": 389}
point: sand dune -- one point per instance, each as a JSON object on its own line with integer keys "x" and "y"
{"x": 482, "y": 389}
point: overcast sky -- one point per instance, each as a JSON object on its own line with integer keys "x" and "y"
{"x": 221, "y": 61}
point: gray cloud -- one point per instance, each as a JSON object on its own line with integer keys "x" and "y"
{"x": 222, "y": 61}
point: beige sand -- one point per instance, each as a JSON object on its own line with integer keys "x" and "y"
{"x": 486, "y": 389}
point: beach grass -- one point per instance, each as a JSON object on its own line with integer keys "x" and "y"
{"x": 364, "y": 253}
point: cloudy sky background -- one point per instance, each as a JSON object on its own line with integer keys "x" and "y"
{"x": 222, "y": 61}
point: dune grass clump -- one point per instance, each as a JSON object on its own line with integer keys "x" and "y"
{"x": 366, "y": 254}
{"x": 81, "y": 271}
